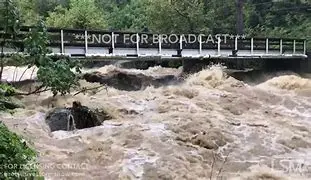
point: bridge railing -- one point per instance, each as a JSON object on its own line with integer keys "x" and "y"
{"x": 83, "y": 42}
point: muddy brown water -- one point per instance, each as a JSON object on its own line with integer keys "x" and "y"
{"x": 211, "y": 126}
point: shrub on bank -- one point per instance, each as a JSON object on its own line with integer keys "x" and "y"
{"x": 18, "y": 160}
{"x": 7, "y": 101}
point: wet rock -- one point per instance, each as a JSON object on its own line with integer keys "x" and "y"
{"x": 76, "y": 117}
{"x": 59, "y": 119}
{"x": 128, "y": 81}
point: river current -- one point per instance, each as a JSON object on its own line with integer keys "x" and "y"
{"x": 209, "y": 126}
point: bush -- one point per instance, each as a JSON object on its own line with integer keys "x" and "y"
{"x": 6, "y": 90}
{"x": 6, "y": 101}
{"x": 18, "y": 161}
{"x": 58, "y": 76}
{"x": 56, "y": 73}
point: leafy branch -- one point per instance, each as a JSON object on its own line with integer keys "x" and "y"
{"x": 9, "y": 19}
{"x": 55, "y": 73}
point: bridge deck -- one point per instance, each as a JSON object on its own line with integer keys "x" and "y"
{"x": 145, "y": 46}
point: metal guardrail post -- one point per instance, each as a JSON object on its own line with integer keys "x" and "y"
{"x": 72, "y": 37}
{"x": 137, "y": 44}
{"x": 112, "y": 43}
{"x": 236, "y": 43}
{"x": 305, "y": 47}
{"x": 267, "y": 46}
{"x": 179, "y": 52}
{"x": 294, "y": 47}
{"x": 252, "y": 45}
{"x": 200, "y": 44}
{"x": 180, "y": 43}
{"x": 218, "y": 45}
{"x": 160, "y": 44}
{"x": 281, "y": 46}
{"x": 85, "y": 41}
{"x": 62, "y": 48}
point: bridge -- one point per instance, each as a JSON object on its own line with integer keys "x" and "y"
{"x": 236, "y": 51}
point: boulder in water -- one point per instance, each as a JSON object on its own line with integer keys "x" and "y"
{"x": 60, "y": 119}
{"x": 76, "y": 117}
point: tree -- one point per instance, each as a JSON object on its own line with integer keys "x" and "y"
{"x": 15, "y": 152}
{"x": 10, "y": 25}
{"x": 80, "y": 14}
{"x": 131, "y": 16}
{"x": 33, "y": 10}
{"x": 43, "y": 7}
{"x": 263, "y": 19}
{"x": 29, "y": 11}
{"x": 54, "y": 73}
{"x": 184, "y": 16}
{"x": 221, "y": 16}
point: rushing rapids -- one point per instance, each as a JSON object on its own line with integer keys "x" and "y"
{"x": 208, "y": 126}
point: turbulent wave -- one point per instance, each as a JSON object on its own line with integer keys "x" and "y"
{"x": 288, "y": 82}
{"x": 214, "y": 77}
{"x": 210, "y": 125}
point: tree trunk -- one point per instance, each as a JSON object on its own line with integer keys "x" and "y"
{"x": 1, "y": 62}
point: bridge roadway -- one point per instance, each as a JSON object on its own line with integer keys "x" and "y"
{"x": 107, "y": 45}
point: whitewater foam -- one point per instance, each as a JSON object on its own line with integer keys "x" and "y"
{"x": 170, "y": 132}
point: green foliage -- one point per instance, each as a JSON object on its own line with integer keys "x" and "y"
{"x": 290, "y": 18}
{"x": 6, "y": 90}
{"x": 18, "y": 161}
{"x": 131, "y": 16}
{"x": 33, "y": 10}
{"x": 54, "y": 72}
{"x": 182, "y": 16}
{"x": 80, "y": 14}
{"x": 28, "y": 11}
{"x": 223, "y": 16}
{"x": 7, "y": 102}
{"x": 9, "y": 20}
{"x": 58, "y": 76}
{"x": 36, "y": 45}
{"x": 279, "y": 19}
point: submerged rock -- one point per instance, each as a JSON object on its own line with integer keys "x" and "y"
{"x": 59, "y": 119}
{"x": 128, "y": 81}
{"x": 76, "y": 117}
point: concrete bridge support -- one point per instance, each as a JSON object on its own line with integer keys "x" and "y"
{"x": 307, "y": 65}
{"x": 245, "y": 64}
{"x": 195, "y": 65}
